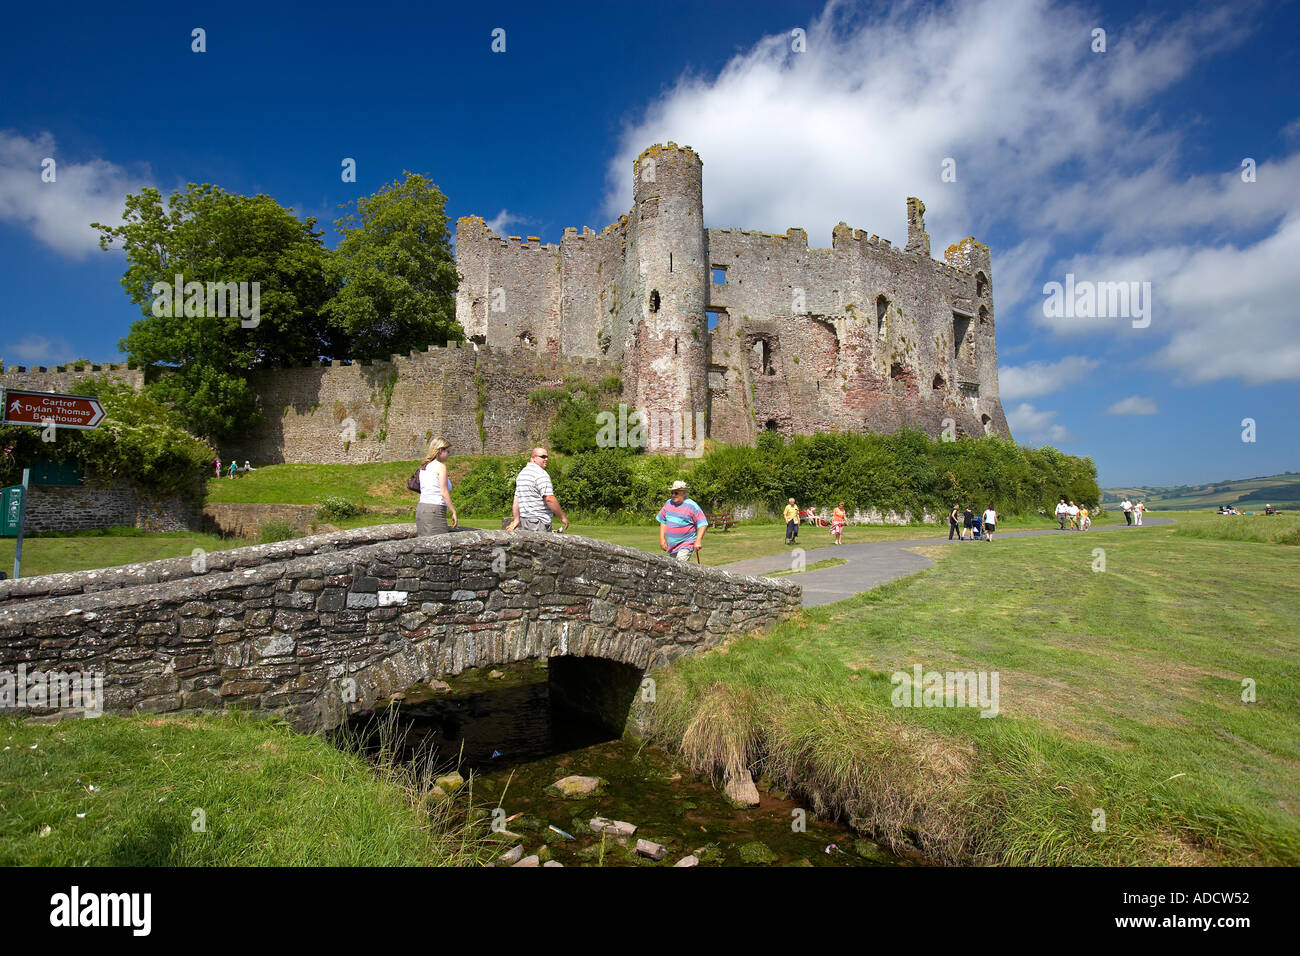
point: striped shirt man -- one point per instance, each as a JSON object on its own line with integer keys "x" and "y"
{"x": 681, "y": 520}
{"x": 532, "y": 485}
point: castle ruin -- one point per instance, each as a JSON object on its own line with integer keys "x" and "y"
{"x": 754, "y": 330}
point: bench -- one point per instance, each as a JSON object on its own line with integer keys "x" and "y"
{"x": 720, "y": 521}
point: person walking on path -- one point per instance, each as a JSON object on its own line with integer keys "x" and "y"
{"x": 838, "y": 517}
{"x": 535, "y": 501}
{"x": 1128, "y": 510}
{"x": 681, "y": 525}
{"x": 953, "y": 526}
{"x": 435, "y": 506}
{"x": 990, "y": 519}
{"x": 1139, "y": 510}
{"x": 968, "y": 522}
{"x": 1084, "y": 521}
{"x": 218, "y": 466}
{"x": 1073, "y": 512}
{"x": 791, "y": 522}
{"x": 1062, "y": 511}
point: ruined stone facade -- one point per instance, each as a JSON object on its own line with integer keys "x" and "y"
{"x": 753, "y": 330}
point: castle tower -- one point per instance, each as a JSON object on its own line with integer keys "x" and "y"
{"x": 669, "y": 334}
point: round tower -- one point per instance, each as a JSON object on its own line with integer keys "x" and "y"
{"x": 670, "y": 333}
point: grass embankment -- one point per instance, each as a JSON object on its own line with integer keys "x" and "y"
{"x": 1269, "y": 529}
{"x": 84, "y": 550}
{"x": 268, "y": 796}
{"x": 1120, "y": 691}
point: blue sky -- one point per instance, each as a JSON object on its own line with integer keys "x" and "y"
{"x": 1122, "y": 165}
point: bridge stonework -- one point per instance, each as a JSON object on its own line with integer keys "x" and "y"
{"x": 324, "y": 626}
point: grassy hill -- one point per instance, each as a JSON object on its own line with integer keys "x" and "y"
{"x": 1283, "y": 491}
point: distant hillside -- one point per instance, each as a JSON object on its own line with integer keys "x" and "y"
{"x": 1280, "y": 490}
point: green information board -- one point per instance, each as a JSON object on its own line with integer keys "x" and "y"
{"x": 11, "y": 509}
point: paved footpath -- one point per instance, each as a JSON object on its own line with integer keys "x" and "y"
{"x": 871, "y": 564}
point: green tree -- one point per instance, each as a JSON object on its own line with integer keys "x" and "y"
{"x": 207, "y": 235}
{"x": 396, "y": 274}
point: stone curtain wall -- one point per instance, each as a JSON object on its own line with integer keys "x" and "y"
{"x": 306, "y": 635}
{"x": 61, "y": 379}
{"x": 477, "y": 398}
{"x": 92, "y": 506}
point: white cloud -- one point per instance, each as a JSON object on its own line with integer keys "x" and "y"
{"x": 1057, "y": 147}
{"x": 1133, "y": 405}
{"x": 59, "y": 214}
{"x": 1041, "y": 378}
{"x": 38, "y": 350}
{"x": 502, "y": 221}
{"x": 1032, "y": 426}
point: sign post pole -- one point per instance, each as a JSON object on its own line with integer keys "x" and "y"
{"x": 22, "y": 511}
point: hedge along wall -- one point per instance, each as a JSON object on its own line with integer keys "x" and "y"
{"x": 318, "y": 636}
{"x": 885, "y": 478}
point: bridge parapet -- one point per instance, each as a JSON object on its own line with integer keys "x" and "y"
{"x": 317, "y": 636}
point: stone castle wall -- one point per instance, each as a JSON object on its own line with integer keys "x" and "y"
{"x": 318, "y": 635}
{"x": 62, "y": 378}
{"x": 476, "y": 397}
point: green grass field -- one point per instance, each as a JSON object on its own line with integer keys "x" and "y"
{"x": 123, "y": 792}
{"x": 1120, "y": 691}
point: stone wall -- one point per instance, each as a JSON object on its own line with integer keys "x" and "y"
{"x": 318, "y": 636}
{"x": 93, "y": 505}
{"x": 474, "y": 396}
{"x": 245, "y": 520}
{"x": 62, "y": 379}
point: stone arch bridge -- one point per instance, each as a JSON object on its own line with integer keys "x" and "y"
{"x": 323, "y": 626}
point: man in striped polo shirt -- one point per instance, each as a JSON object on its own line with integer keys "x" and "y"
{"x": 535, "y": 500}
{"x": 679, "y": 521}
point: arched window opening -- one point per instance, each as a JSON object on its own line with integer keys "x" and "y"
{"x": 882, "y": 310}
{"x": 654, "y": 300}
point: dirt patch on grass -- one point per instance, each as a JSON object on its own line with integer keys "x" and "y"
{"x": 934, "y": 552}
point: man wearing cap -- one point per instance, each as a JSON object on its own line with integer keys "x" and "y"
{"x": 681, "y": 525}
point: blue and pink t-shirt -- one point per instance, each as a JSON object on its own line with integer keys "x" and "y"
{"x": 682, "y": 521}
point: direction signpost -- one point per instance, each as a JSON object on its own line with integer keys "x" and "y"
{"x": 46, "y": 408}
{"x": 43, "y": 410}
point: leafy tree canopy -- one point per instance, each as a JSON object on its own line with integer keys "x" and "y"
{"x": 395, "y": 271}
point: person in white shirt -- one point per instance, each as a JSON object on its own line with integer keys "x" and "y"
{"x": 1073, "y": 512}
{"x": 535, "y": 502}
{"x": 1062, "y": 511}
{"x": 990, "y": 519}
{"x": 435, "y": 505}
{"x": 1128, "y": 510}
{"x": 1139, "y": 510}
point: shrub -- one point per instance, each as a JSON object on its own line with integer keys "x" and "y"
{"x": 336, "y": 508}
{"x": 275, "y": 530}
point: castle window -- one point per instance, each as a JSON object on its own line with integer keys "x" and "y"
{"x": 763, "y": 352}
{"x": 981, "y": 284}
{"x": 713, "y": 316}
{"x": 719, "y": 275}
{"x": 984, "y": 315}
{"x": 987, "y": 423}
{"x": 771, "y": 425}
{"x": 526, "y": 339}
{"x": 654, "y": 300}
{"x": 937, "y": 384}
{"x": 960, "y": 326}
{"x": 897, "y": 372}
{"x": 882, "y": 310}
